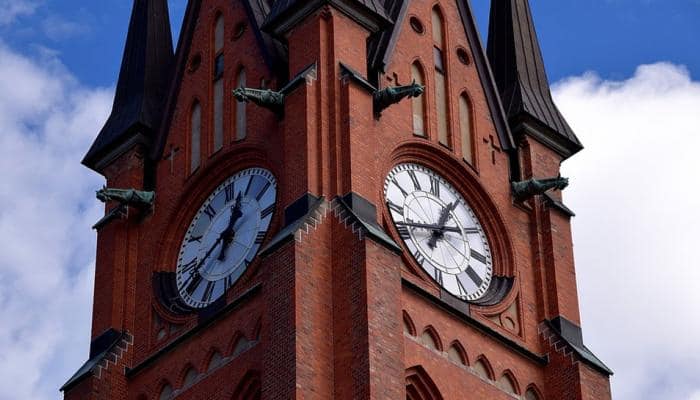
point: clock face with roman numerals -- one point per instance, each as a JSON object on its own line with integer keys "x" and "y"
{"x": 440, "y": 230}
{"x": 225, "y": 236}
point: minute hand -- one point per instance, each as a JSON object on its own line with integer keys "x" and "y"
{"x": 431, "y": 226}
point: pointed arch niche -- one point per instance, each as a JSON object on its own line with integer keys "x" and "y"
{"x": 419, "y": 386}
{"x": 195, "y": 135}
{"x": 418, "y": 103}
{"x": 440, "y": 61}
{"x": 466, "y": 128}
{"x": 218, "y": 81}
{"x": 249, "y": 388}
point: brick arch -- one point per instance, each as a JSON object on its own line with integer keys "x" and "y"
{"x": 165, "y": 390}
{"x": 533, "y": 393}
{"x": 239, "y": 343}
{"x": 509, "y": 382}
{"x": 257, "y": 330}
{"x": 430, "y": 333}
{"x": 249, "y": 388}
{"x": 214, "y": 359}
{"x": 409, "y": 326}
{"x": 182, "y": 380}
{"x": 419, "y": 385}
{"x": 483, "y": 368}
{"x": 457, "y": 353}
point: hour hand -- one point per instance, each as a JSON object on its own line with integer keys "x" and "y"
{"x": 432, "y": 227}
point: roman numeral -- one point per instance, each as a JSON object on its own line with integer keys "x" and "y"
{"x": 414, "y": 179}
{"x": 194, "y": 282}
{"x": 228, "y": 282}
{"x": 268, "y": 211}
{"x": 260, "y": 237}
{"x": 435, "y": 186}
{"x": 478, "y": 256}
{"x": 208, "y": 292}
{"x": 189, "y": 266}
{"x": 419, "y": 257}
{"x": 471, "y": 231}
{"x": 395, "y": 182}
{"x": 474, "y": 276}
{"x": 462, "y": 289}
{"x": 250, "y": 184}
{"x": 195, "y": 239}
{"x": 263, "y": 190}
{"x": 230, "y": 193}
{"x": 210, "y": 211}
{"x": 395, "y": 208}
{"x": 438, "y": 276}
{"x": 403, "y": 232}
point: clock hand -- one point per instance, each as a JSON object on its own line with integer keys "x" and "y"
{"x": 431, "y": 226}
{"x": 441, "y": 228}
{"x": 229, "y": 233}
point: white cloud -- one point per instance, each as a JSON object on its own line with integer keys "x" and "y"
{"x": 11, "y": 9}
{"x": 47, "y": 205}
{"x": 58, "y": 28}
{"x": 635, "y": 190}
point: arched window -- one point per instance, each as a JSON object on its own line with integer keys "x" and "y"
{"x": 190, "y": 377}
{"x": 195, "y": 136}
{"x": 166, "y": 392}
{"x": 418, "y": 102}
{"x": 219, "y": 83}
{"x": 431, "y": 339}
{"x": 419, "y": 386}
{"x": 483, "y": 369}
{"x": 507, "y": 383}
{"x": 215, "y": 360}
{"x": 465, "y": 128}
{"x": 249, "y": 388}
{"x": 241, "y": 107}
{"x": 408, "y": 327}
{"x": 531, "y": 394}
{"x": 457, "y": 354}
{"x": 442, "y": 112}
{"x": 240, "y": 345}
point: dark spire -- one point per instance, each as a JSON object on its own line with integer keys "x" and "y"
{"x": 516, "y": 60}
{"x": 143, "y": 81}
{"x": 372, "y": 14}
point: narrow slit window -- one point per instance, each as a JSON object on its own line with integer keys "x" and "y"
{"x": 195, "y": 136}
{"x": 466, "y": 129}
{"x": 441, "y": 105}
{"x": 241, "y": 107}
{"x": 418, "y": 102}
{"x": 219, "y": 83}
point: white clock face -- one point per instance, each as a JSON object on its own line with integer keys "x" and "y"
{"x": 225, "y": 236}
{"x": 440, "y": 230}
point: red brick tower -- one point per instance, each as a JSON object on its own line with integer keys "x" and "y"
{"x": 334, "y": 199}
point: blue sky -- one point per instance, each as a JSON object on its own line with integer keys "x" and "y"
{"x": 611, "y": 37}
{"x": 625, "y": 73}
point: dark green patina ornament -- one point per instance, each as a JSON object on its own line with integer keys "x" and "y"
{"x": 265, "y": 98}
{"x": 128, "y": 197}
{"x": 525, "y": 190}
{"x": 387, "y": 97}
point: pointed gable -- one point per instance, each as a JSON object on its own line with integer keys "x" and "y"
{"x": 284, "y": 14}
{"x": 143, "y": 81}
{"x": 516, "y": 60}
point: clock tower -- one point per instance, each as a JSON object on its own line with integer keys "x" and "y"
{"x": 335, "y": 199}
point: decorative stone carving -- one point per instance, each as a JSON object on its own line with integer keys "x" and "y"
{"x": 525, "y": 190}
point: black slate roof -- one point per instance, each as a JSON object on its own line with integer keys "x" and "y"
{"x": 516, "y": 60}
{"x": 143, "y": 80}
